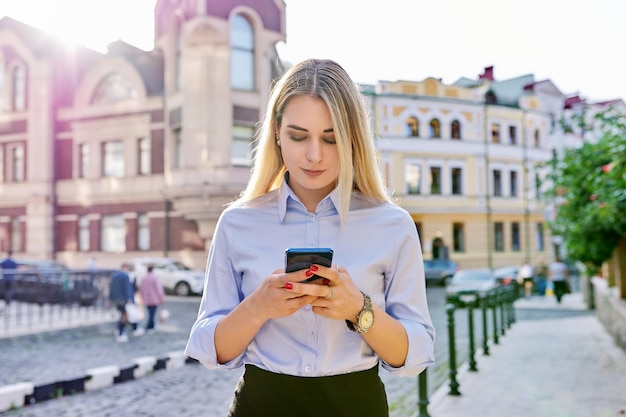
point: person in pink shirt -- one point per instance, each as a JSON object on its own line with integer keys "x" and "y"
{"x": 152, "y": 295}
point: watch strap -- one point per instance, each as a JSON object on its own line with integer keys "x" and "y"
{"x": 367, "y": 306}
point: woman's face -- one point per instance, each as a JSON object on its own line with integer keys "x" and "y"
{"x": 309, "y": 149}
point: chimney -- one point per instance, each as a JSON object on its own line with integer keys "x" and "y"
{"x": 487, "y": 75}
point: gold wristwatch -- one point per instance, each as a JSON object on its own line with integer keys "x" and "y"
{"x": 365, "y": 319}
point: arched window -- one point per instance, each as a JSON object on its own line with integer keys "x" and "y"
{"x": 113, "y": 88}
{"x": 435, "y": 128}
{"x": 455, "y": 129}
{"x": 241, "y": 54}
{"x": 413, "y": 127}
{"x": 491, "y": 98}
{"x": 18, "y": 101}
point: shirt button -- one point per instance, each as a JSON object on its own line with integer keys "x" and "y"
{"x": 307, "y": 368}
{"x": 308, "y": 306}
{"x": 312, "y": 219}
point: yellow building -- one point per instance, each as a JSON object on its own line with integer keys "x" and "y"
{"x": 465, "y": 160}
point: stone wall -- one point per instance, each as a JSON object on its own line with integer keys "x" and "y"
{"x": 611, "y": 310}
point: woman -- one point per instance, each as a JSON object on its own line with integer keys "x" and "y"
{"x": 314, "y": 348}
{"x": 152, "y": 295}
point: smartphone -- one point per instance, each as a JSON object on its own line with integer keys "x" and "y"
{"x": 302, "y": 258}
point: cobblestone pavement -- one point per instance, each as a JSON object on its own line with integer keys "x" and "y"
{"x": 566, "y": 366}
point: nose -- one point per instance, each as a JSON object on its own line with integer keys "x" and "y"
{"x": 314, "y": 151}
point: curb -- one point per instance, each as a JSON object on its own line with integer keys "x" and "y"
{"x": 23, "y": 394}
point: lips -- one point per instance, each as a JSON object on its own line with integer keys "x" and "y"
{"x": 313, "y": 172}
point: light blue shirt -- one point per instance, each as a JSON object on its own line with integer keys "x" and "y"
{"x": 378, "y": 246}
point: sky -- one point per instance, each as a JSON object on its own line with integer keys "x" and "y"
{"x": 577, "y": 44}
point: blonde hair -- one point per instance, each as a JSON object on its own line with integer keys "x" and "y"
{"x": 359, "y": 165}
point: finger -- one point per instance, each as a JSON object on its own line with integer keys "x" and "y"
{"x": 312, "y": 289}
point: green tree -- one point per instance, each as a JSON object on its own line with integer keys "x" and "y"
{"x": 589, "y": 192}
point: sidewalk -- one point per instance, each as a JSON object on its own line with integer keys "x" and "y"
{"x": 567, "y": 367}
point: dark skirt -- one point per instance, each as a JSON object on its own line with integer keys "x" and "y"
{"x": 262, "y": 393}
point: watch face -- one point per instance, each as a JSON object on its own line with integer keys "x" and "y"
{"x": 366, "y": 319}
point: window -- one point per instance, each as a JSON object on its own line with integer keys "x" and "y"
{"x": 495, "y": 133}
{"x": 84, "y": 236}
{"x": 498, "y": 242}
{"x": 435, "y": 128}
{"x": 540, "y": 237}
{"x": 242, "y": 145}
{"x": 143, "y": 231}
{"x": 513, "y": 181}
{"x": 538, "y": 192}
{"x": 497, "y": 183}
{"x": 179, "y": 59}
{"x": 457, "y": 181}
{"x": 515, "y": 237}
{"x": 412, "y": 178}
{"x": 1, "y": 85}
{"x": 458, "y": 237}
{"x": 537, "y": 139}
{"x": 113, "y": 233}
{"x": 16, "y": 234}
{"x": 177, "y": 136}
{"x": 241, "y": 54}
{"x": 512, "y": 135}
{"x": 83, "y": 160}
{"x": 16, "y": 163}
{"x": 19, "y": 88}
{"x": 413, "y": 127}
{"x": 455, "y": 129}
{"x": 113, "y": 159}
{"x": 435, "y": 180}
{"x": 114, "y": 88}
{"x": 143, "y": 156}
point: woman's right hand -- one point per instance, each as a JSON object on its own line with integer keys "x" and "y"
{"x": 273, "y": 300}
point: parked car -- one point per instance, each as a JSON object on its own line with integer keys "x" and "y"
{"x": 439, "y": 271}
{"x": 175, "y": 277}
{"x": 467, "y": 284}
{"x": 52, "y": 282}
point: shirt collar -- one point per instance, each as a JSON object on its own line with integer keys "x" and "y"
{"x": 285, "y": 193}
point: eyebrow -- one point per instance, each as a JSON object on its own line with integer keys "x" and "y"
{"x": 330, "y": 130}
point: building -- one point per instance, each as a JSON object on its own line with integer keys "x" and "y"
{"x": 132, "y": 152}
{"x": 135, "y": 153}
{"x": 468, "y": 161}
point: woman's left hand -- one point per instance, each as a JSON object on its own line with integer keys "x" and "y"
{"x": 338, "y": 297}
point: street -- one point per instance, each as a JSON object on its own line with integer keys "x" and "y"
{"x": 186, "y": 392}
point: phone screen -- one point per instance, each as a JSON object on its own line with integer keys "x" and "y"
{"x": 302, "y": 258}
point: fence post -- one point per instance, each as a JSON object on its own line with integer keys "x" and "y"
{"x": 494, "y": 305}
{"x": 483, "y": 306}
{"x": 423, "y": 394}
{"x": 454, "y": 385}
{"x": 472, "y": 351}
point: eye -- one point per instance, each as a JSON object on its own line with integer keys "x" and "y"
{"x": 297, "y": 138}
{"x": 330, "y": 141}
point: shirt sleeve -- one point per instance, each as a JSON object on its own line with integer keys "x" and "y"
{"x": 406, "y": 300}
{"x": 221, "y": 295}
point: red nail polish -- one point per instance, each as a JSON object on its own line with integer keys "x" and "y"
{"x": 325, "y": 281}
{"x": 314, "y": 268}
{"x": 308, "y": 274}
{"x": 288, "y": 286}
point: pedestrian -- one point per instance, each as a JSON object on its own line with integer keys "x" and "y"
{"x": 313, "y": 349}
{"x": 526, "y": 275}
{"x": 121, "y": 294}
{"x": 8, "y": 267}
{"x": 559, "y": 276}
{"x": 152, "y": 295}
